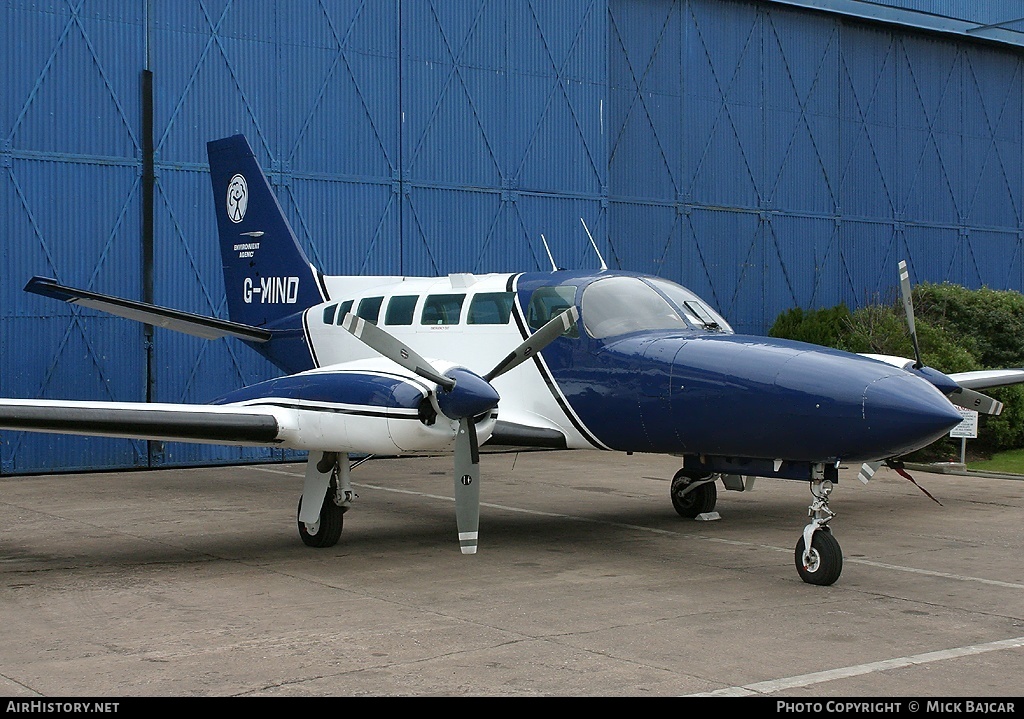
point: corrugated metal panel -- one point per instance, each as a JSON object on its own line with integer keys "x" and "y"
{"x": 69, "y": 152}
{"x": 312, "y": 87}
{"x": 500, "y": 101}
{"x": 850, "y": 146}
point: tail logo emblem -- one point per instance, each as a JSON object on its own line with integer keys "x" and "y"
{"x": 238, "y": 198}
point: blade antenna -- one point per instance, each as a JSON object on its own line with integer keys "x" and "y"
{"x": 594, "y": 245}
{"x": 554, "y": 267}
{"x": 908, "y": 306}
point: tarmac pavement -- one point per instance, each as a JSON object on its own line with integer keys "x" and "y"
{"x": 193, "y": 582}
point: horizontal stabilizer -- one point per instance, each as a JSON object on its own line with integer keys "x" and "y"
{"x": 140, "y": 420}
{"x": 209, "y": 328}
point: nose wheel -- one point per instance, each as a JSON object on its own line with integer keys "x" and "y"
{"x": 818, "y": 557}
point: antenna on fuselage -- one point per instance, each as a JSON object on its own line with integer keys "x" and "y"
{"x": 554, "y": 267}
{"x": 594, "y": 244}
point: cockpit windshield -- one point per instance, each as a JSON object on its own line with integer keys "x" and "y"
{"x": 619, "y": 305}
{"x": 696, "y": 311}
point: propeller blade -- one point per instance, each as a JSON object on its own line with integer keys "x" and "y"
{"x": 867, "y": 471}
{"x": 908, "y": 306}
{"x": 552, "y": 330}
{"x": 467, "y": 485}
{"x": 377, "y": 339}
{"x": 969, "y": 399}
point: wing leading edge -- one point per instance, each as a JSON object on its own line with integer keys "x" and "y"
{"x": 137, "y": 420}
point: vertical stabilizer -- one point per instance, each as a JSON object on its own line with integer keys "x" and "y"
{"x": 266, "y": 274}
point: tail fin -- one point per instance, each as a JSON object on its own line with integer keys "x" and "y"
{"x": 266, "y": 273}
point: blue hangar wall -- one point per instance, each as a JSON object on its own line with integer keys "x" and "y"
{"x": 766, "y": 154}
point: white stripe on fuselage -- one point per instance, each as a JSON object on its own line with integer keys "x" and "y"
{"x": 525, "y": 396}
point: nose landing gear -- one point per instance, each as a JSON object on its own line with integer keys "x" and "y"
{"x": 818, "y": 557}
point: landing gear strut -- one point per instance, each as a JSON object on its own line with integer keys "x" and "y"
{"x": 818, "y": 557}
{"x": 324, "y": 529}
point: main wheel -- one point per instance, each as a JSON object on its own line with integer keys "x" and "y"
{"x": 326, "y": 531}
{"x": 697, "y": 501}
{"x": 825, "y": 563}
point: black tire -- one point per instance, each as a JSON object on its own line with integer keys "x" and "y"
{"x": 826, "y": 559}
{"x": 327, "y": 531}
{"x": 699, "y": 500}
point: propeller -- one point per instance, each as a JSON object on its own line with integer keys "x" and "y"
{"x": 957, "y": 394}
{"x": 908, "y": 307}
{"x": 461, "y": 395}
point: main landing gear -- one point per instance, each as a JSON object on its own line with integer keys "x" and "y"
{"x": 818, "y": 557}
{"x": 327, "y": 476}
{"x": 693, "y": 493}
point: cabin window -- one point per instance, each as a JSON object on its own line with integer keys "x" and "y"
{"x": 329, "y": 311}
{"x": 620, "y": 305}
{"x": 490, "y": 308}
{"x": 548, "y": 302}
{"x": 369, "y": 309}
{"x": 400, "y": 310}
{"x": 343, "y": 309}
{"x": 442, "y": 309}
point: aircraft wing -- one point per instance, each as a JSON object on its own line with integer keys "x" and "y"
{"x": 986, "y": 378}
{"x": 963, "y": 390}
{"x": 210, "y": 328}
{"x": 976, "y": 379}
{"x": 352, "y": 407}
{"x": 143, "y": 420}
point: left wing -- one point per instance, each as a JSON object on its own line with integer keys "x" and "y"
{"x": 143, "y": 420}
{"x": 210, "y": 328}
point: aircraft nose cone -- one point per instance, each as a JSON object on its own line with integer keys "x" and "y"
{"x": 909, "y": 411}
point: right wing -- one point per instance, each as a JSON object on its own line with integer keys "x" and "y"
{"x": 985, "y": 378}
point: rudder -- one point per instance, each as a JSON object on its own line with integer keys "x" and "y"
{"x": 267, "y": 276}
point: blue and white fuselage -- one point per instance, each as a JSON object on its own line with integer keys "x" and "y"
{"x": 648, "y": 368}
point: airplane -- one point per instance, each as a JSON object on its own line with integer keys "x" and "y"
{"x": 563, "y": 359}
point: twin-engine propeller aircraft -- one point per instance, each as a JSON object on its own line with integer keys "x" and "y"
{"x": 564, "y": 359}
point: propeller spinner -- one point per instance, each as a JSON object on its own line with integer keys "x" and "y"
{"x": 462, "y": 395}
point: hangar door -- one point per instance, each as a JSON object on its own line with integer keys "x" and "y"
{"x": 779, "y": 158}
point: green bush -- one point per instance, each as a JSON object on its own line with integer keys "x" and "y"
{"x": 821, "y": 327}
{"x": 958, "y": 330}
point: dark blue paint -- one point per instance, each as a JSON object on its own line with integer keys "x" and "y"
{"x": 373, "y": 391}
{"x": 700, "y": 392}
{"x": 258, "y": 246}
{"x": 471, "y": 396}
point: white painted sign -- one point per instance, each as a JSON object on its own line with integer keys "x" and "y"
{"x": 968, "y": 428}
